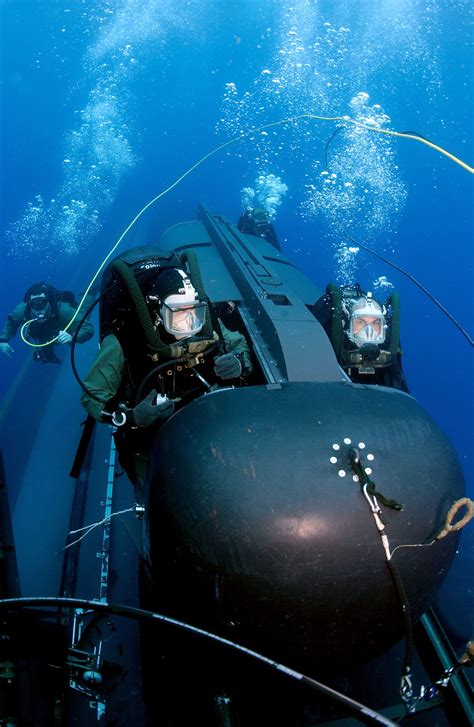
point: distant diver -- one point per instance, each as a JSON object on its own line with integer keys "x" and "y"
{"x": 50, "y": 311}
{"x": 364, "y": 333}
{"x": 256, "y": 221}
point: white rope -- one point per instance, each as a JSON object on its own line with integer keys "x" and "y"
{"x": 89, "y": 528}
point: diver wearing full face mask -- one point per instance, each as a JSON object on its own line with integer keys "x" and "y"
{"x": 136, "y": 385}
{"x": 365, "y": 334}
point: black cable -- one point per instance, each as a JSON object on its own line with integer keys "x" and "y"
{"x": 73, "y": 348}
{"x": 406, "y": 610}
{"x": 364, "y": 480}
{"x": 76, "y": 333}
{"x": 329, "y": 141}
{"x": 421, "y": 287}
{"x": 366, "y": 714}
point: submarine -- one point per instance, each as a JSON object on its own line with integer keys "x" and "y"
{"x": 300, "y": 516}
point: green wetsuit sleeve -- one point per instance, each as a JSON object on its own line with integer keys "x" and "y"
{"x": 65, "y": 314}
{"x": 235, "y": 342}
{"x": 104, "y": 377}
{"x": 13, "y": 322}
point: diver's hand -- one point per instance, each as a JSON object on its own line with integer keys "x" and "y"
{"x": 64, "y": 337}
{"x": 6, "y": 349}
{"x": 227, "y": 366}
{"x": 153, "y": 407}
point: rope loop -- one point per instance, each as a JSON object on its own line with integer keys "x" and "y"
{"x": 449, "y": 527}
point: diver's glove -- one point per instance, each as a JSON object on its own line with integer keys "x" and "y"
{"x": 6, "y": 349}
{"x": 64, "y": 337}
{"x": 227, "y": 366}
{"x": 153, "y": 407}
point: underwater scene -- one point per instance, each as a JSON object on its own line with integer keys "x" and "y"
{"x": 236, "y": 354}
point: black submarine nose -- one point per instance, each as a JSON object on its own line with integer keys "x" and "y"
{"x": 259, "y": 527}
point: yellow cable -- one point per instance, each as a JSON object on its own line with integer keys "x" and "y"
{"x": 290, "y": 120}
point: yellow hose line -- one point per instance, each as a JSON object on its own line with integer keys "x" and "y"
{"x": 402, "y": 134}
{"x": 290, "y": 120}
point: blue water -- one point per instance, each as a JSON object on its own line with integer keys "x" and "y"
{"x": 105, "y": 104}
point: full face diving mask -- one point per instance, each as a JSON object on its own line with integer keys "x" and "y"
{"x": 367, "y": 322}
{"x": 176, "y": 303}
{"x": 182, "y": 319}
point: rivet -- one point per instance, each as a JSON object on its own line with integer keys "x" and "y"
{"x": 342, "y": 473}
{"x": 368, "y": 471}
{"x": 333, "y": 460}
{"x": 347, "y": 440}
{"x": 336, "y": 447}
{"x": 370, "y": 457}
{"x": 361, "y": 445}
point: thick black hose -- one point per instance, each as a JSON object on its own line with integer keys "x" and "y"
{"x": 141, "y": 307}
{"x": 365, "y": 713}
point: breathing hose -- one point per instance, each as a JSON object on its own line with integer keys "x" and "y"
{"x": 152, "y": 337}
{"x": 395, "y": 324}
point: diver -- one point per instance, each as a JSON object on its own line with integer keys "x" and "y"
{"x": 49, "y": 311}
{"x": 256, "y": 221}
{"x": 137, "y": 386}
{"x": 364, "y": 333}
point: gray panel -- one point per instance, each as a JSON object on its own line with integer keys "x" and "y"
{"x": 304, "y": 345}
{"x": 280, "y": 266}
{"x": 217, "y": 281}
{"x": 291, "y": 343}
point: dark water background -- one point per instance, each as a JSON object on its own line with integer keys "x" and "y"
{"x": 105, "y": 104}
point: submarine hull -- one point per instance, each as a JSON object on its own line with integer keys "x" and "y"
{"x": 260, "y": 530}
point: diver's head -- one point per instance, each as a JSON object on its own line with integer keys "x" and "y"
{"x": 38, "y": 304}
{"x": 366, "y": 321}
{"x": 260, "y": 214}
{"x": 175, "y": 303}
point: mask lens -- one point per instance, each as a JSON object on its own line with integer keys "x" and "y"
{"x": 183, "y": 319}
{"x": 367, "y": 329}
{"x": 38, "y": 304}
